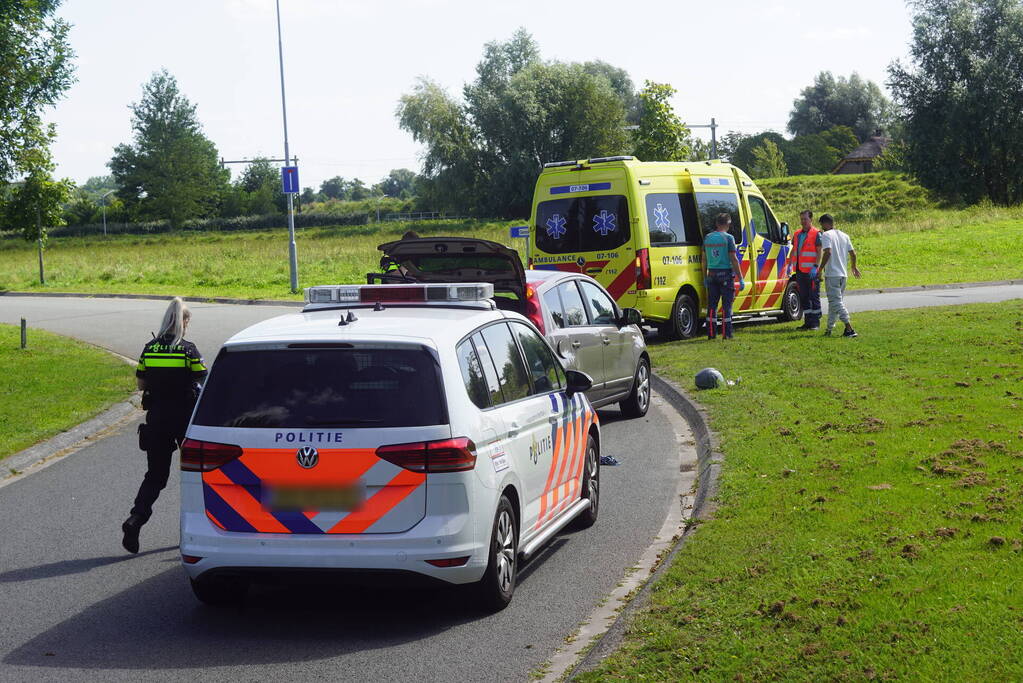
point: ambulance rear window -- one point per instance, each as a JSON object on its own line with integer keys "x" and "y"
{"x": 582, "y": 224}
{"x": 671, "y": 219}
{"x": 355, "y": 388}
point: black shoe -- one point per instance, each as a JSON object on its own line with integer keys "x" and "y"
{"x": 131, "y": 528}
{"x": 849, "y": 332}
{"x": 804, "y": 326}
{"x": 827, "y": 332}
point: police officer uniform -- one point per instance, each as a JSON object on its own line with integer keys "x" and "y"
{"x": 172, "y": 374}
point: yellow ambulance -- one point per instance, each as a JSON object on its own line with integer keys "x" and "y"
{"x": 637, "y": 227}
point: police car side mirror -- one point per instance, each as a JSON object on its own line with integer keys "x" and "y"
{"x": 578, "y": 382}
{"x": 785, "y": 231}
{"x": 630, "y": 316}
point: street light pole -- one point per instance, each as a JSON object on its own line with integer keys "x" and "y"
{"x": 292, "y": 248}
{"x": 103, "y": 199}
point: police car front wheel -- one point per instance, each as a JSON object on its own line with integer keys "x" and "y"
{"x": 497, "y": 586}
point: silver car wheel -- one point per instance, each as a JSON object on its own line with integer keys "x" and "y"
{"x": 505, "y": 551}
{"x": 643, "y": 386}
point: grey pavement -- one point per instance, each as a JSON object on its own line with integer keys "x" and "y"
{"x": 75, "y": 606}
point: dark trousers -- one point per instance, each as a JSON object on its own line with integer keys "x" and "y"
{"x": 720, "y": 287}
{"x": 809, "y": 299}
{"x": 159, "y": 437}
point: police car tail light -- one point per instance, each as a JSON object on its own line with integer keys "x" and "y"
{"x": 204, "y": 456}
{"x": 643, "y": 279}
{"x": 449, "y": 455}
{"x": 449, "y": 561}
{"x": 533, "y": 311}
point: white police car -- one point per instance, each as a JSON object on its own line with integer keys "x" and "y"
{"x": 389, "y": 428}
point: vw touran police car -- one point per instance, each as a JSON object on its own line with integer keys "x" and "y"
{"x": 412, "y": 429}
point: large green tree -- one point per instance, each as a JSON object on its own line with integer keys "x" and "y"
{"x": 483, "y": 153}
{"x": 768, "y": 161}
{"x": 661, "y": 135}
{"x": 742, "y": 154}
{"x": 854, "y": 102}
{"x": 171, "y": 170}
{"x": 35, "y": 203}
{"x": 35, "y": 70}
{"x": 400, "y": 182}
{"x": 962, "y": 98}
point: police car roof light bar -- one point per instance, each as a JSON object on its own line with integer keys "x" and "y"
{"x": 399, "y": 294}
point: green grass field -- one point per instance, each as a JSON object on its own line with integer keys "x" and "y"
{"x": 869, "y": 511}
{"x": 54, "y": 384}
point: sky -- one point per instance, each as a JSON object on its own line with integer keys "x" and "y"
{"x": 347, "y": 63}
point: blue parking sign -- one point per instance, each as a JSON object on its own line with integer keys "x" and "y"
{"x": 289, "y": 178}
{"x": 520, "y": 231}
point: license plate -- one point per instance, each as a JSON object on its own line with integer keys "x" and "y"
{"x": 342, "y": 498}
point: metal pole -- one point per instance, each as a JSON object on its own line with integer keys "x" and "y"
{"x": 292, "y": 249}
{"x": 24, "y": 335}
{"x": 104, "y": 219}
{"x": 39, "y": 241}
{"x": 713, "y": 139}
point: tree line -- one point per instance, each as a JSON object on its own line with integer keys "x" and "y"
{"x": 954, "y": 120}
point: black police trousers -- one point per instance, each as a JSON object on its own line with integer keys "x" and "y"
{"x": 159, "y": 438}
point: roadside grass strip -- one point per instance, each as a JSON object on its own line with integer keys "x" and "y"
{"x": 52, "y": 385}
{"x": 216, "y": 264}
{"x": 868, "y": 522}
{"x": 933, "y": 247}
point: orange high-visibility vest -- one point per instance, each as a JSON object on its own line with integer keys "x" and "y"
{"x": 806, "y": 257}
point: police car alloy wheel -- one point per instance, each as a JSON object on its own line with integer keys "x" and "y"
{"x": 498, "y": 583}
{"x": 591, "y": 486}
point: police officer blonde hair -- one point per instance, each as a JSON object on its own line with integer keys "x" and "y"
{"x": 174, "y": 321}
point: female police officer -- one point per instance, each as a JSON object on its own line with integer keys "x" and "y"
{"x": 169, "y": 374}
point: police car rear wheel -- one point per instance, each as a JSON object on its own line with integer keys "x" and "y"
{"x": 497, "y": 586}
{"x": 591, "y": 485}
{"x": 685, "y": 319}
{"x": 791, "y": 308}
{"x": 220, "y": 591}
{"x": 638, "y": 401}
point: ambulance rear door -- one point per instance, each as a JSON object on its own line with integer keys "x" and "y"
{"x": 584, "y": 224}
{"x": 676, "y": 244}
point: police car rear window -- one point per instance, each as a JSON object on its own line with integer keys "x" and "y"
{"x": 581, "y": 224}
{"x": 358, "y": 387}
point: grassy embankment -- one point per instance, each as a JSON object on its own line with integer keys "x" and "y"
{"x": 869, "y": 511}
{"x": 900, "y": 234}
{"x": 52, "y": 385}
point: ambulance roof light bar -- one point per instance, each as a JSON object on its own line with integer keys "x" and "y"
{"x": 332, "y": 296}
{"x": 600, "y": 160}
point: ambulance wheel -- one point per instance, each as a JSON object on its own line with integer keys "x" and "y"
{"x": 638, "y": 401}
{"x": 591, "y": 486}
{"x": 497, "y": 586}
{"x": 685, "y": 318}
{"x": 791, "y": 308}
{"x": 219, "y": 591}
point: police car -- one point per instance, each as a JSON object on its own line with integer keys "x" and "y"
{"x": 412, "y": 429}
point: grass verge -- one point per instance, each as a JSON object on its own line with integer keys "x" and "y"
{"x": 868, "y": 521}
{"x": 52, "y": 385}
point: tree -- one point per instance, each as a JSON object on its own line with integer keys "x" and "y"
{"x": 171, "y": 170}
{"x": 661, "y": 135}
{"x": 728, "y": 143}
{"x": 334, "y": 188}
{"x": 622, "y": 84}
{"x": 35, "y": 204}
{"x": 483, "y": 154}
{"x": 819, "y": 153}
{"x": 258, "y": 174}
{"x": 35, "y": 70}
{"x": 962, "y": 98}
{"x": 400, "y": 182}
{"x": 829, "y": 102}
{"x": 742, "y": 155}
{"x": 768, "y": 161}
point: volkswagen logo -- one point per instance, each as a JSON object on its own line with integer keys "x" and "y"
{"x": 307, "y": 457}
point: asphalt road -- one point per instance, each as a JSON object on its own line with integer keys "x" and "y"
{"x": 74, "y": 605}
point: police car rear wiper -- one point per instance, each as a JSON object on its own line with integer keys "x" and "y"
{"x": 337, "y": 422}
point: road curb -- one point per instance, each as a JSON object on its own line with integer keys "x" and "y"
{"x": 709, "y": 462}
{"x": 922, "y": 288}
{"x": 42, "y": 455}
{"x": 162, "y": 297}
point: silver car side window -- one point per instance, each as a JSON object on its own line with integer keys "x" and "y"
{"x": 575, "y": 310}
{"x": 602, "y": 310}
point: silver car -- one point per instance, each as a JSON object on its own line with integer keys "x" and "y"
{"x": 580, "y": 320}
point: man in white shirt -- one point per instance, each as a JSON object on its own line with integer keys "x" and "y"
{"x": 836, "y": 248}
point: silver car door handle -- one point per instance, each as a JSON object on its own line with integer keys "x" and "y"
{"x": 606, "y": 340}
{"x": 513, "y": 429}
{"x": 553, "y": 419}
{"x": 576, "y": 345}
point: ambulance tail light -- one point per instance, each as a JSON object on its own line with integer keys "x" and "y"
{"x": 205, "y": 456}
{"x": 643, "y": 279}
{"x": 533, "y": 311}
{"x": 448, "y": 455}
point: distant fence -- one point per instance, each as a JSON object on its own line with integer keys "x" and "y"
{"x": 422, "y": 216}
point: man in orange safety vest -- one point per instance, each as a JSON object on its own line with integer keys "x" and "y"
{"x": 804, "y": 260}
